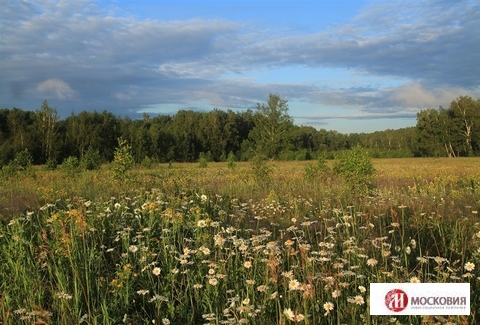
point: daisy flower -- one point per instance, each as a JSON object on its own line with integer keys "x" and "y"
{"x": 372, "y": 262}
{"x": 469, "y": 266}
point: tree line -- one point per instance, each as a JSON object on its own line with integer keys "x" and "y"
{"x": 267, "y": 130}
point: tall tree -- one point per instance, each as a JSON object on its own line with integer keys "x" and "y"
{"x": 46, "y": 119}
{"x": 272, "y": 124}
{"x": 466, "y": 113}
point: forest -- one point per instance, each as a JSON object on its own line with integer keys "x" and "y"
{"x": 214, "y": 135}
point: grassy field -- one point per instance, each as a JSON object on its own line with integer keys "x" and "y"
{"x": 181, "y": 244}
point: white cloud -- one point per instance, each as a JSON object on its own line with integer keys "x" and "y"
{"x": 56, "y": 88}
{"x": 97, "y": 56}
{"x": 414, "y": 95}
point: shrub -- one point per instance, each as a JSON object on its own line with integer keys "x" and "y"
{"x": 122, "y": 160}
{"x": 91, "y": 159}
{"x": 319, "y": 169}
{"x": 23, "y": 160}
{"x": 147, "y": 162}
{"x": 202, "y": 160}
{"x": 51, "y": 164}
{"x": 71, "y": 166}
{"x": 231, "y": 160}
{"x": 356, "y": 169}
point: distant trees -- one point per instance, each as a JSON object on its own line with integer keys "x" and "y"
{"x": 450, "y": 132}
{"x": 267, "y": 131}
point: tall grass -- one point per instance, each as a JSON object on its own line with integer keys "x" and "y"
{"x": 189, "y": 245}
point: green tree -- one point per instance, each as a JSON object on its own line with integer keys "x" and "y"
{"x": 272, "y": 124}
{"x": 465, "y": 114}
{"x": 123, "y": 160}
{"x": 46, "y": 119}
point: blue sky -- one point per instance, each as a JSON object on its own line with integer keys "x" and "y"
{"x": 349, "y": 66}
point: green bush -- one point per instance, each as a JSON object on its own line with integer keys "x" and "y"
{"x": 356, "y": 169}
{"x": 202, "y": 160}
{"x": 71, "y": 166}
{"x": 313, "y": 171}
{"x": 91, "y": 159}
{"x": 23, "y": 160}
{"x": 123, "y": 160}
{"x": 51, "y": 164}
{"x": 231, "y": 160}
{"x": 147, "y": 162}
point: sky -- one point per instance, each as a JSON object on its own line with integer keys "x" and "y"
{"x": 343, "y": 65}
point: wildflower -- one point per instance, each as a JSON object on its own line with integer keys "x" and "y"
{"x": 247, "y": 264}
{"x": 211, "y": 271}
{"x": 274, "y": 295}
{"x": 197, "y": 286}
{"x": 219, "y": 240}
{"x": 142, "y": 292}
{"x": 208, "y": 317}
{"x": 289, "y": 314}
{"x": 158, "y": 297}
{"x": 213, "y": 281}
{"x": 201, "y": 223}
{"x": 439, "y": 259}
{"x": 294, "y": 285}
{"x": 358, "y": 300}
{"x": 469, "y": 266}
{"x": 299, "y": 318}
{"x": 156, "y": 271}
{"x": 63, "y": 295}
{"x": 133, "y": 248}
{"x": 250, "y": 282}
{"x": 414, "y": 279}
{"x": 165, "y": 321}
{"x": 204, "y": 198}
{"x": 288, "y": 274}
{"x": 372, "y": 262}
{"x": 292, "y": 316}
{"x": 422, "y": 260}
{"x": 243, "y": 247}
{"x": 175, "y": 271}
{"x": 84, "y": 318}
{"x": 362, "y": 289}
{"x": 336, "y": 293}
{"x": 413, "y": 242}
{"x": 289, "y": 242}
{"x": 328, "y": 306}
{"x": 204, "y": 250}
{"x": 262, "y": 288}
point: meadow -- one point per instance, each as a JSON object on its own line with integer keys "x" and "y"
{"x": 179, "y": 244}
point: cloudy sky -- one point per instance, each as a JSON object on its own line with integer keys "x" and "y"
{"x": 350, "y": 66}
